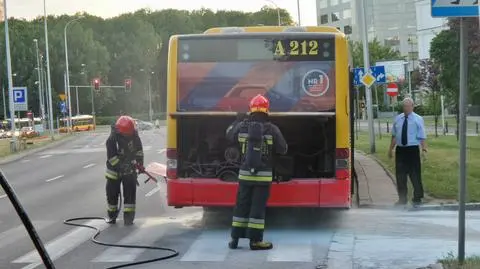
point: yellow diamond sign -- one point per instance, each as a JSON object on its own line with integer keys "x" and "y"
{"x": 368, "y": 80}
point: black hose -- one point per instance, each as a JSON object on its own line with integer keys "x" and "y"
{"x": 47, "y": 262}
{"x": 22, "y": 214}
{"x": 96, "y": 241}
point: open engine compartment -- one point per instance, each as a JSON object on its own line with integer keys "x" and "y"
{"x": 204, "y": 152}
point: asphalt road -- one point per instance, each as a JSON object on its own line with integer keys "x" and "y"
{"x": 67, "y": 181}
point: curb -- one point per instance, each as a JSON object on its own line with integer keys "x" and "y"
{"x": 446, "y": 207}
{"x": 18, "y": 156}
{"x": 389, "y": 174}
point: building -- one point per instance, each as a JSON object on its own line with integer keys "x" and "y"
{"x": 392, "y": 22}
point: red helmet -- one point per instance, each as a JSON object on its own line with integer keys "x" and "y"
{"x": 259, "y": 103}
{"x": 125, "y": 125}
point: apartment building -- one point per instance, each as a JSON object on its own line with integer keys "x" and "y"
{"x": 392, "y": 22}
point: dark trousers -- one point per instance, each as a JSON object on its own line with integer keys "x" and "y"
{"x": 407, "y": 163}
{"x": 249, "y": 213}
{"x": 129, "y": 183}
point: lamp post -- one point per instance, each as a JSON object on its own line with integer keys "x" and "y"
{"x": 40, "y": 83}
{"x": 13, "y": 144}
{"x": 278, "y": 11}
{"x": 49, "y": 82}
{"x": 150, "y": 111}
{"x": 67, "y": 74}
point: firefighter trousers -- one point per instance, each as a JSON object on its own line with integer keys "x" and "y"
{"x": 129, "y": 183}
{"x": 249, "y": 213}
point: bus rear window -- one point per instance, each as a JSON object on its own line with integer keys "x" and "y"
{"x": 223, "y": 74}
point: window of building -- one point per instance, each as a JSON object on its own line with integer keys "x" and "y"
{"x": 335, "y": 16}
{"x": 323, "y": 3}
{"x": 333, "y": 2}
{"x": 324, "y": 19}
{"x": 347, "y": 14}
{"x": 347, "y": 29}
{"x": 345, "y": 1}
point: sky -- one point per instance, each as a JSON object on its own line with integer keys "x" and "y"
{"x": 109, "y": 8}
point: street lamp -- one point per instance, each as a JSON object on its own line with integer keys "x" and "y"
{"x": 69, "y": 122}
{"x": 40, "y": 84}
{"x": 49, "y": 82}
{"x": 76, "y": 89}
{"x": 13, "y": 144}
{"x": 278, "y": 11}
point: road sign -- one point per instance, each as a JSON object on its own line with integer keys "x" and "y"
{"x": 455, "y": 8}
{"x": 377, "y": 71}
{"x": 20, "y": 98}
{"x": 368, "y": 80}
{"x": 63, "y": 107}
{"x": 62, "y": 96}
{"x": 392, "y": 89}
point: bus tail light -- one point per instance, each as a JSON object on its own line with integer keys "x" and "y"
{"x": 342, "y": 163}
{"x": 171, "y": 163}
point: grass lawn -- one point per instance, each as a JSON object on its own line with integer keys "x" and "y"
{"x": 450, "y": 262}
{"x": 430, "y": 121}
{"x": 440, "y": 167}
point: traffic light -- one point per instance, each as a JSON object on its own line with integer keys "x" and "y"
{"x": 128, "y": 85}
{"x": 96, "y": 84}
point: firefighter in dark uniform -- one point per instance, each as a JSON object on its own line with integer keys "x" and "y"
{"x": 124, "y": 157}
{"x": 259, "y": 140}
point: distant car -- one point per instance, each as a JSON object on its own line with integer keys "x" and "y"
{"x": 28, "y": 132}
{"x": 143, "y": 125}
{"x": 3, "y": 134}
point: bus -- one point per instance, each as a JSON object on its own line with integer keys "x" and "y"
{"x": 305, "y": 74}
{"x": 79, "y": 123}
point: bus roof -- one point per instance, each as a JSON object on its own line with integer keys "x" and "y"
{"x": 273, "y": 29}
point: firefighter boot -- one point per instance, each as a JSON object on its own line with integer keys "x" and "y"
{"x": 128, "y": 218}
{"x": 233, "y": 244}
{"x": 112, "y": 217}
{"x": 260, "y": 245}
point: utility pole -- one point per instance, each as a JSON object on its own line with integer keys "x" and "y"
{"x": 366, "y": 60}
{"x": 49, "y": 83}
{"x": 4, "y": 105}
{"x": 40, "y": 84}
{"x": 13, "y": 142}
{"x": 298, "y": 12}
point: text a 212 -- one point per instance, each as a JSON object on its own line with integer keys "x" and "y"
{"x": 295, "y": 47}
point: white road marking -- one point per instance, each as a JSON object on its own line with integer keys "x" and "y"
{"x": 146, "y": 234}
{"x": 13, "y": 235}
{"x": 45, "y": 156}
{"x": 54, "y": 178}
{"x": 161, "y": 151}
{"x": 24, "y": 161}
{"x": 3, "y": 196}
{"x": 153, "y": 191}
{"x": 89, "y": 165}
{"x": 209, "y": 247}
{"x": 62, "y": 244}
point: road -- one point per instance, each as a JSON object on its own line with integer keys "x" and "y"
{"x": 67, "y": 181}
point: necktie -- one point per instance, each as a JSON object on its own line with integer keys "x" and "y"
{"x": 405, "y": 131}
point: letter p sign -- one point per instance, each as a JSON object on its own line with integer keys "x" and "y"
{"x": 20, "y": 98}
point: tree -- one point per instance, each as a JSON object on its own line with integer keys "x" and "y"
{"x": 429, "y": 79}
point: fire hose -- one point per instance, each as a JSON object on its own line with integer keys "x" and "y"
{"x": 47, "y": 261}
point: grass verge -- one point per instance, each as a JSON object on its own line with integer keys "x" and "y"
{"x": 451, "y": 262}
{"x": 37, "y": 142}
{"x": 429, "y": 121}
{"x": 440, "y": 168}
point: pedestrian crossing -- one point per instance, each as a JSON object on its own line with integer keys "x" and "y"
{"x": 195, "y": 244}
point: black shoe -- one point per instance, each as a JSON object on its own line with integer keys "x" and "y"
{"x": 400, "y": 203}
{"x": 111, "y": 221}
{"x": 416, "y": 203}
{"x": 261, "y": 245}
{"x": 233, "y": 244}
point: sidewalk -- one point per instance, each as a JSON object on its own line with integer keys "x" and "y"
{"x": 375, "y": 185}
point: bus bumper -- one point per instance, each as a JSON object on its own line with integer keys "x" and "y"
{"x": 325, "y": 193}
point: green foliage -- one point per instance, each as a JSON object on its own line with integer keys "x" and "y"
{"x": 377, "y": 52}
{"x": 132, "y": 45}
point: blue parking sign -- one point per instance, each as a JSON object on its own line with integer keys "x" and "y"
{"x": 20, "y": 98}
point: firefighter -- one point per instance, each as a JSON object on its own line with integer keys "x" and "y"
{"x": 124, "y": 157}
{"x": 259, "y": 140}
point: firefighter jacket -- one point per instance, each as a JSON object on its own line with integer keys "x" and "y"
{"x": 274, "y": 143}
{"x": 122, "y": 154}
